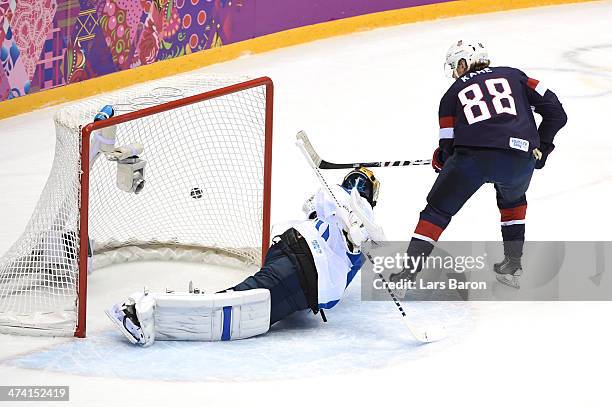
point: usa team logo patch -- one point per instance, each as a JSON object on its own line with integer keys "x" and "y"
{"x": 519, "y": 144}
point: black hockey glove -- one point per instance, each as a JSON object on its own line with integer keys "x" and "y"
{"x": 439, "y": 158}
{"x": 441, "y": 154}
{"x": 437, "y": 161}
{"x": 545, "y": 149}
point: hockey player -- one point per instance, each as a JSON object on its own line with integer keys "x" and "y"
{"x": 307, "y": 267}
{"x": 488, "y": 134}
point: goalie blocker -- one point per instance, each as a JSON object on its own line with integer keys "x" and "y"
{"x": 307, "y": 267}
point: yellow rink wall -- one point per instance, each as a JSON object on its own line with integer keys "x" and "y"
{"x": 264, "y": 43}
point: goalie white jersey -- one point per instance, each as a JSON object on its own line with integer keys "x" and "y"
{"x": 336, "y": 264}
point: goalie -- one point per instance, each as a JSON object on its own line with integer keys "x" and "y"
{"x": 307, "y": 267}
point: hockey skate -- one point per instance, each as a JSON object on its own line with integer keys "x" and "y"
{"x": 508, "y": 271}
{"x": 403, "y": 280}
{"x": 124, "y": 316}
{"x": 406, "y": 274}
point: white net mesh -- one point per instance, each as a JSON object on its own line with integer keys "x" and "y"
{"x": 204, "y": 190}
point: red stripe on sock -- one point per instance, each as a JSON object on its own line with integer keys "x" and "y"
{"x": 516, "y": 213}
{"x": 428, "y": 229}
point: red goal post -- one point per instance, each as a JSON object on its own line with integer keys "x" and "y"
{"x": 85, "y": 138}
{"x": 209, "y": 135}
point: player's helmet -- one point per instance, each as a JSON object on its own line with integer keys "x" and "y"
{"x": 366, "y": 183}
{"x": 473, "y": 52}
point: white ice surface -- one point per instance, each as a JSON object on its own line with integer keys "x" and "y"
{"x": 368, "y": 96}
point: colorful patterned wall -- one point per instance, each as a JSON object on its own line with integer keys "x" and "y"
{"x": 50, "y": 43}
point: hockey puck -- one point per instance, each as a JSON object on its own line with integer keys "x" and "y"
{"x": 196, "y": 193}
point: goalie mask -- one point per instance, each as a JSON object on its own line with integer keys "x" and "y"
{"x": 366, "y": 183}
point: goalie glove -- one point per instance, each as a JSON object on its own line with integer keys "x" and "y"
{"x": 356, "y": 233}
{"x": 360, "y": 208}
{"x": 359, "y": 226}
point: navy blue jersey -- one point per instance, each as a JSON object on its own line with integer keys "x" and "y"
{"x": 493, "y": 107}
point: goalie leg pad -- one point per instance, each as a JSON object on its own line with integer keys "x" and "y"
{"x": 211, "y": 317}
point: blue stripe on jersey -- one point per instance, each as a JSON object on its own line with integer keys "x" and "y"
{"x": 328, "y": 305}
{"x": 325, "y": 234}
{"x": 356, "y": 263}
{"x": 227, "y": 323}
{"x": 318, "y": 224}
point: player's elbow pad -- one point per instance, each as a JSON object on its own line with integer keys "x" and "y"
{"x": 552, "y": 110}
{"x": 562, "y": 118}
{"x": 553, "y": 115}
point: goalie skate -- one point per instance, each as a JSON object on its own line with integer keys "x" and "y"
{"x": 124, "y": 316}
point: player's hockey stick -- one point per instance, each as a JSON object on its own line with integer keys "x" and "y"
{"x": 423, "y": 336}
{"x": 326, "y": 165}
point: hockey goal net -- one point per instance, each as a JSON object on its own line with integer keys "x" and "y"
{"x": 205, "y": 157}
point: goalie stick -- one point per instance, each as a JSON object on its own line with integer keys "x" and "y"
{"x": 423, "y": 336}
{"x": 326, "y": 165}
{"x": 431, "y": 334}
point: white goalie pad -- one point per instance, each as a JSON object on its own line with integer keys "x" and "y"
{"x": 205, "y": 317}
